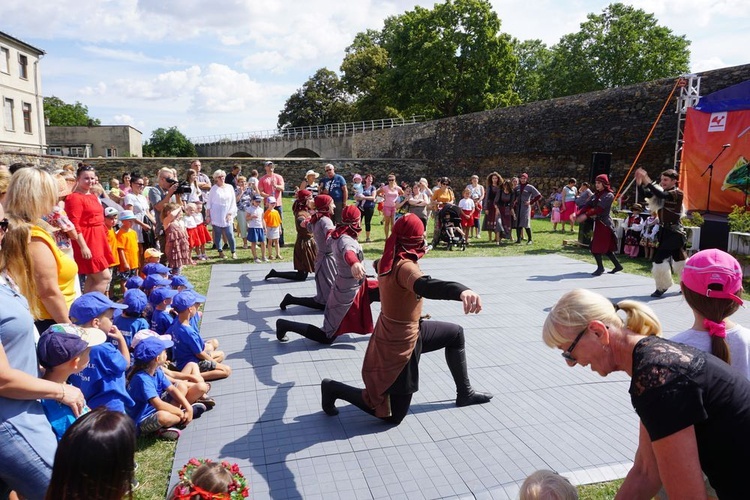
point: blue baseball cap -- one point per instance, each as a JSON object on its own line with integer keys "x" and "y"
{"x": 159, "y": 295}
{"x": 134, "y": 282}
{"x": 136, "y": 301}
{"x": 91, "y": 305}
{"x": 155, "y": 280}
{"x": 183, "y": 300}
{"x": 150, "y": 347}
{"x": 62, "y": 342}
{"x": 155, "y": 268}
{"x": 181, "y": 280}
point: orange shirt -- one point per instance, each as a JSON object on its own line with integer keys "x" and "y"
{"x": 112, "y": 240}
{"x": 127, "y": 239}
{"x": 272, "y": 218}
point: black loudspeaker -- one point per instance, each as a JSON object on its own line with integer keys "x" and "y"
{"x": 714, "y": 234}
{"x": 600, "y": 164}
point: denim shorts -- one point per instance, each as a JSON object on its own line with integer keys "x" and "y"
{"x": 23, "y": 469}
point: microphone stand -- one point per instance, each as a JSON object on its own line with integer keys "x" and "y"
{"x": 711, "y": 178}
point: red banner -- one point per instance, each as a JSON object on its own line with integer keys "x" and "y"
{"x": 705, "y": 135}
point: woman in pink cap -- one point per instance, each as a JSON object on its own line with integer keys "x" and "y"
{"x": 604, "y": 241}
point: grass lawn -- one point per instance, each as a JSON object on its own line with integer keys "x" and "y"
{"x": 155, "y": 457}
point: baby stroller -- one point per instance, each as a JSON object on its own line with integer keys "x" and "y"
{"x": 450, "y": 227}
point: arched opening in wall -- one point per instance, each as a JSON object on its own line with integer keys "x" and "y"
{"x": 302, "y": 153}
{"x": 241, "y": 154}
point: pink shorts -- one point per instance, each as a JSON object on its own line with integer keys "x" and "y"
{"x": 389, "y": 211}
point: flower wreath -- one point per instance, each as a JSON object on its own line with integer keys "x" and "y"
{"x": 185, "y": 489}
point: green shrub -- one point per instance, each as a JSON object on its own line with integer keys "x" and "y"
{"x": 739, "y": 220}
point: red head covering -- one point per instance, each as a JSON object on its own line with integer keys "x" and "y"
{"x": 301, "y": 202}
{"x": 323, "y": 207}
{"x": 605, "y": 182}
{"x": 349, "y": 223}
{"x": 405, "y": 242}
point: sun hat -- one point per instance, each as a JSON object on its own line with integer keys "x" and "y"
{"x": 357, "y": 176}
{"x": 91, "y": 305}
{"x": 62, "y": 342}
{"x": 146, "y": 333}
{"x": 152, "y": 252}
{"x": 714, "y": 267}
{"x": 312, "y": 172}
{"x": 150, "y": 347}
{"x": 127, "y": 215}
{"x": 183, "y": 300}
{"x": 271, "y": 199}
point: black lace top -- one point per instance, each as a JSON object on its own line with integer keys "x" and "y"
{"x": 675, "y": 386}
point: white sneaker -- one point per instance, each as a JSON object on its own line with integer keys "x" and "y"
{"x": 234, "y": 256}
{"x": 257, "y": 261}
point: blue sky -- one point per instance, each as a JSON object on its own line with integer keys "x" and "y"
{"x": 228, "y": 66}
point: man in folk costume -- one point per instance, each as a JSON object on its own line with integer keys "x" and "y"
{"x": 524, "y": 195}
{"x": 666, "y": 198}
{"x": 391, "y": 366}
{"x": 347, "y": 308}
{"x": 604, "y": 241}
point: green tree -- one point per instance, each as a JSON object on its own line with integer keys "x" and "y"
{"x": 60, "y": 114}
{"x": 534, "y": 57}
{"x": 322, "y": 99}
{"x": 438, "y": 62}
{"x": 621, "y": 46}
{"x": 168, "y": 143}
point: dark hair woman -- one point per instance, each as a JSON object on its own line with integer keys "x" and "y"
{"x": 489, "y": 205}
{"x": 305, "y": 250}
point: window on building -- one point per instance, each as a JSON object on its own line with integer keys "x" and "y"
{"x": 27, "y": 117}
{"x": 76, "y": 151}
{"x": 111, "y": 152}
{"x": 55, "y": 151}
{"x": 5, "y": 60}
{"x": 23, "y": 66}
{"x": 8, "y": 115}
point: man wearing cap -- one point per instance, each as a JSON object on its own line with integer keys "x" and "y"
{"x": 271, "y": 185}
{"x": 524, "y": 195}
{"x": 63, "y": 350}
{"x": 334, "y": 185}
{"x": 666, "y": 198}
{"x": 189, "y": 345}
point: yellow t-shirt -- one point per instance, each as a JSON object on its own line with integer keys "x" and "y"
{"x": 443, "y": 195}
{"x": 67, "y": 271}
{"x": 127, "y": 239}
{"x": 272, "y": 218}
{"x": 112, "y": 240}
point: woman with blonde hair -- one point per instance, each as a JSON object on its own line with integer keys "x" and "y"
{"x": 694, "y": 409}
{"x": 32, "y": 194}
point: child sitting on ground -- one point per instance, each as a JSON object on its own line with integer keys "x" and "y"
{"x": 159, "y": 406}
{"x": 555, "y": 218}
{"x": 161, "y": 299}
{"x": 102, "y": 382}
{"x": 189, "y": 345}
{"x": 206, "y": 479}
{"x": 63, "y": 350}
{"x": 272, "y": 221}
{"x": 131, "y": 320}
{"x": 178, "y": 242}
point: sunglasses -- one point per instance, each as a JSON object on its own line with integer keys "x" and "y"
{"x": 139, "y": 184}
{"x": 4, "y": 224}
{"x": 568, "y": 353}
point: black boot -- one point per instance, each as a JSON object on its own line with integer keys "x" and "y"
{"x": 287, "y": 275}
{"x": 290, "y": 300}
{"x": 599, "y": 266}
{"x": 308, "y": 331}
{"x": 465, "y": 394}
{"x": 331, "y": 390}
{"x": 616, "y": 262}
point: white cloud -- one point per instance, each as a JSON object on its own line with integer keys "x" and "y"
{"x": 129, "y": 56}
{"x": 98, "y": 89}
{"x": 224, "y": 90}
{"x": 123, "y": 120}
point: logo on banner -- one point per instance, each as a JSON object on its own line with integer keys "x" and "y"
{"x": 718, "y": 122}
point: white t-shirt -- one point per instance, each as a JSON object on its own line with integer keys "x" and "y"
{"x": 466, "y": 204}
{"x": 256, "y": 223}
{"x": 738, "y": 339}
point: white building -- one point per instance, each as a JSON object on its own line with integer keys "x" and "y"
{"x": 105, "y": 141}
{"x": 22, "y": 119}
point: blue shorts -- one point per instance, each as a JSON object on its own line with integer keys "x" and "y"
{"x": 256, "y": 235}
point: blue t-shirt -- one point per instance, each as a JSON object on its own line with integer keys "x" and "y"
{"x": 195, "y": 322}
{"x": 103, "y": 380}
{"x": 334, "y": 186}
{"x": 160, "y": 321}
{"x": 129, "y": 327}
{"x": 187, "y": 344}
{"x": 60, "y": 416}
{"x": 142, "y": 388}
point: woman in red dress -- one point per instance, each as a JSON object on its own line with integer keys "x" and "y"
{"x": 87, "y": 215}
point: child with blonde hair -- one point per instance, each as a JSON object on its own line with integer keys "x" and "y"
{"x": 203, "y": 233}
{"x": 547, "y": 485}
{"x": 556, "y": 217}
{"x": 194, "y": 234}
{"x": 202, "y": 478}
{"x": 178, "y": 242}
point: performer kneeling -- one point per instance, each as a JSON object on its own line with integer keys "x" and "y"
{"x": 305, "y": 249}
{"x": 348, "y": 305}
{"x": 391, "y": 365}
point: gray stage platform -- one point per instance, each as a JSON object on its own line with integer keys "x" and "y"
{"x": 544, "y": 415}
